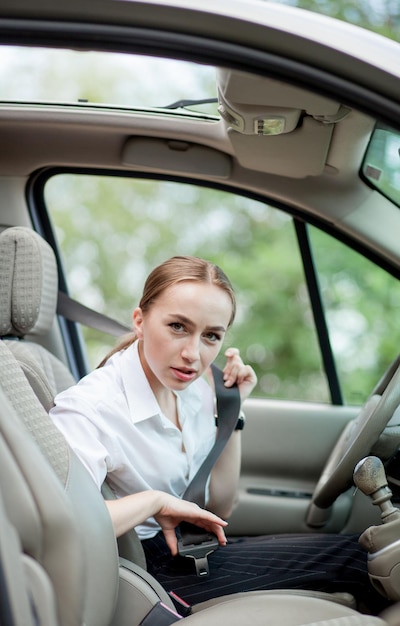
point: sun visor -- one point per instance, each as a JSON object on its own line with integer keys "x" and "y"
{"x": 275, "y": 127}
{"x": 300, "y": 153}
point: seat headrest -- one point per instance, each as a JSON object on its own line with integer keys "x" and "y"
{"x": 28, "y": 283}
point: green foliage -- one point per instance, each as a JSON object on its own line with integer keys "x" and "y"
{"x": 382, "y": 17}
{"x": 362, "y": 304}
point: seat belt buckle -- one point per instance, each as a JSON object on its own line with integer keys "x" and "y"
{"x": 199, "y": 552}
{"x": 181, "y": 606}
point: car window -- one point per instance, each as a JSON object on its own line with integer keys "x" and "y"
{"x": 113, "y": 230}
{"x": 103, "y": 79}
{"x": 361, "y": 302}
{"x": 381, "y": 162}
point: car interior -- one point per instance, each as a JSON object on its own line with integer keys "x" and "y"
{"x": 128, "y": 135}
{"x": 71, "y": 563}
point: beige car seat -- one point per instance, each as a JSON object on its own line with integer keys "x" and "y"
{"x": 15, "y": 598}
{"x": 29, "y": 291}
{"x": 68, "y": 549}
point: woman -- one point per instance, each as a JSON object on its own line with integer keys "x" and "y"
{"x": 145, "y": 420}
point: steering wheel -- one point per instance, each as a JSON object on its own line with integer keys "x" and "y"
{"x": 355, "y": 442}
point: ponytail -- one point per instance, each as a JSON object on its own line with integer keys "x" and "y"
{"x": 124, "y": 343}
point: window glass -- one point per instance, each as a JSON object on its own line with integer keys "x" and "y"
{"x": 362, "y": 304}
{"x": 29, "y": 74}
{"x": 381, "y": 165}
{"x": 112, "y": 231}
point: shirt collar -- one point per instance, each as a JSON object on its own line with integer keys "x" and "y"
{"x": 140, "y": 397}
{"x": 189, "y": 401}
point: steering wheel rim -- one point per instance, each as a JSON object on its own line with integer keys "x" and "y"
{"x": 355, "y": 442}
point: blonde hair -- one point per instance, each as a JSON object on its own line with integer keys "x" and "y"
{"x": 175, "y": 270}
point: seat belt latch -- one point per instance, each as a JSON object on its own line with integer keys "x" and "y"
{"x": 199, "y": 552}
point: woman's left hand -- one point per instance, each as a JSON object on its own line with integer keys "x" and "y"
{"x": 235, "y": 371}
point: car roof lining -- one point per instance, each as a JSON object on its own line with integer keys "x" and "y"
{"x": 100, "y": 145}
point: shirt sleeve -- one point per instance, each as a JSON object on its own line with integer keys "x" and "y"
{"x": 80, "y": 422}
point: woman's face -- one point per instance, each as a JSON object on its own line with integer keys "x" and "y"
{"x": 182, "y": 333}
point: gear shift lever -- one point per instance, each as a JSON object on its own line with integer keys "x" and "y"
{"x": 382, "y": 542}
{"x": 370, "y": 477}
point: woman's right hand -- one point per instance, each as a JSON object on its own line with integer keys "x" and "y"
{"x": 173, "y": 511}
{"x": 129, "y": 511}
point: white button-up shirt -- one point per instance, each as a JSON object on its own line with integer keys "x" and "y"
{"x": 113, "y": 422}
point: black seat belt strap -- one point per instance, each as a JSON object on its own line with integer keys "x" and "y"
{"x": 194, "y": 541}
{"x": 228, "y": 409}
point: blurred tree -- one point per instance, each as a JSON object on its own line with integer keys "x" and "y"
{"x": 381, "y": 16}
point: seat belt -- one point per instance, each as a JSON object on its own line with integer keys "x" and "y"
{"x": 194, "y": 542}
{"x": 74, "y": 311}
